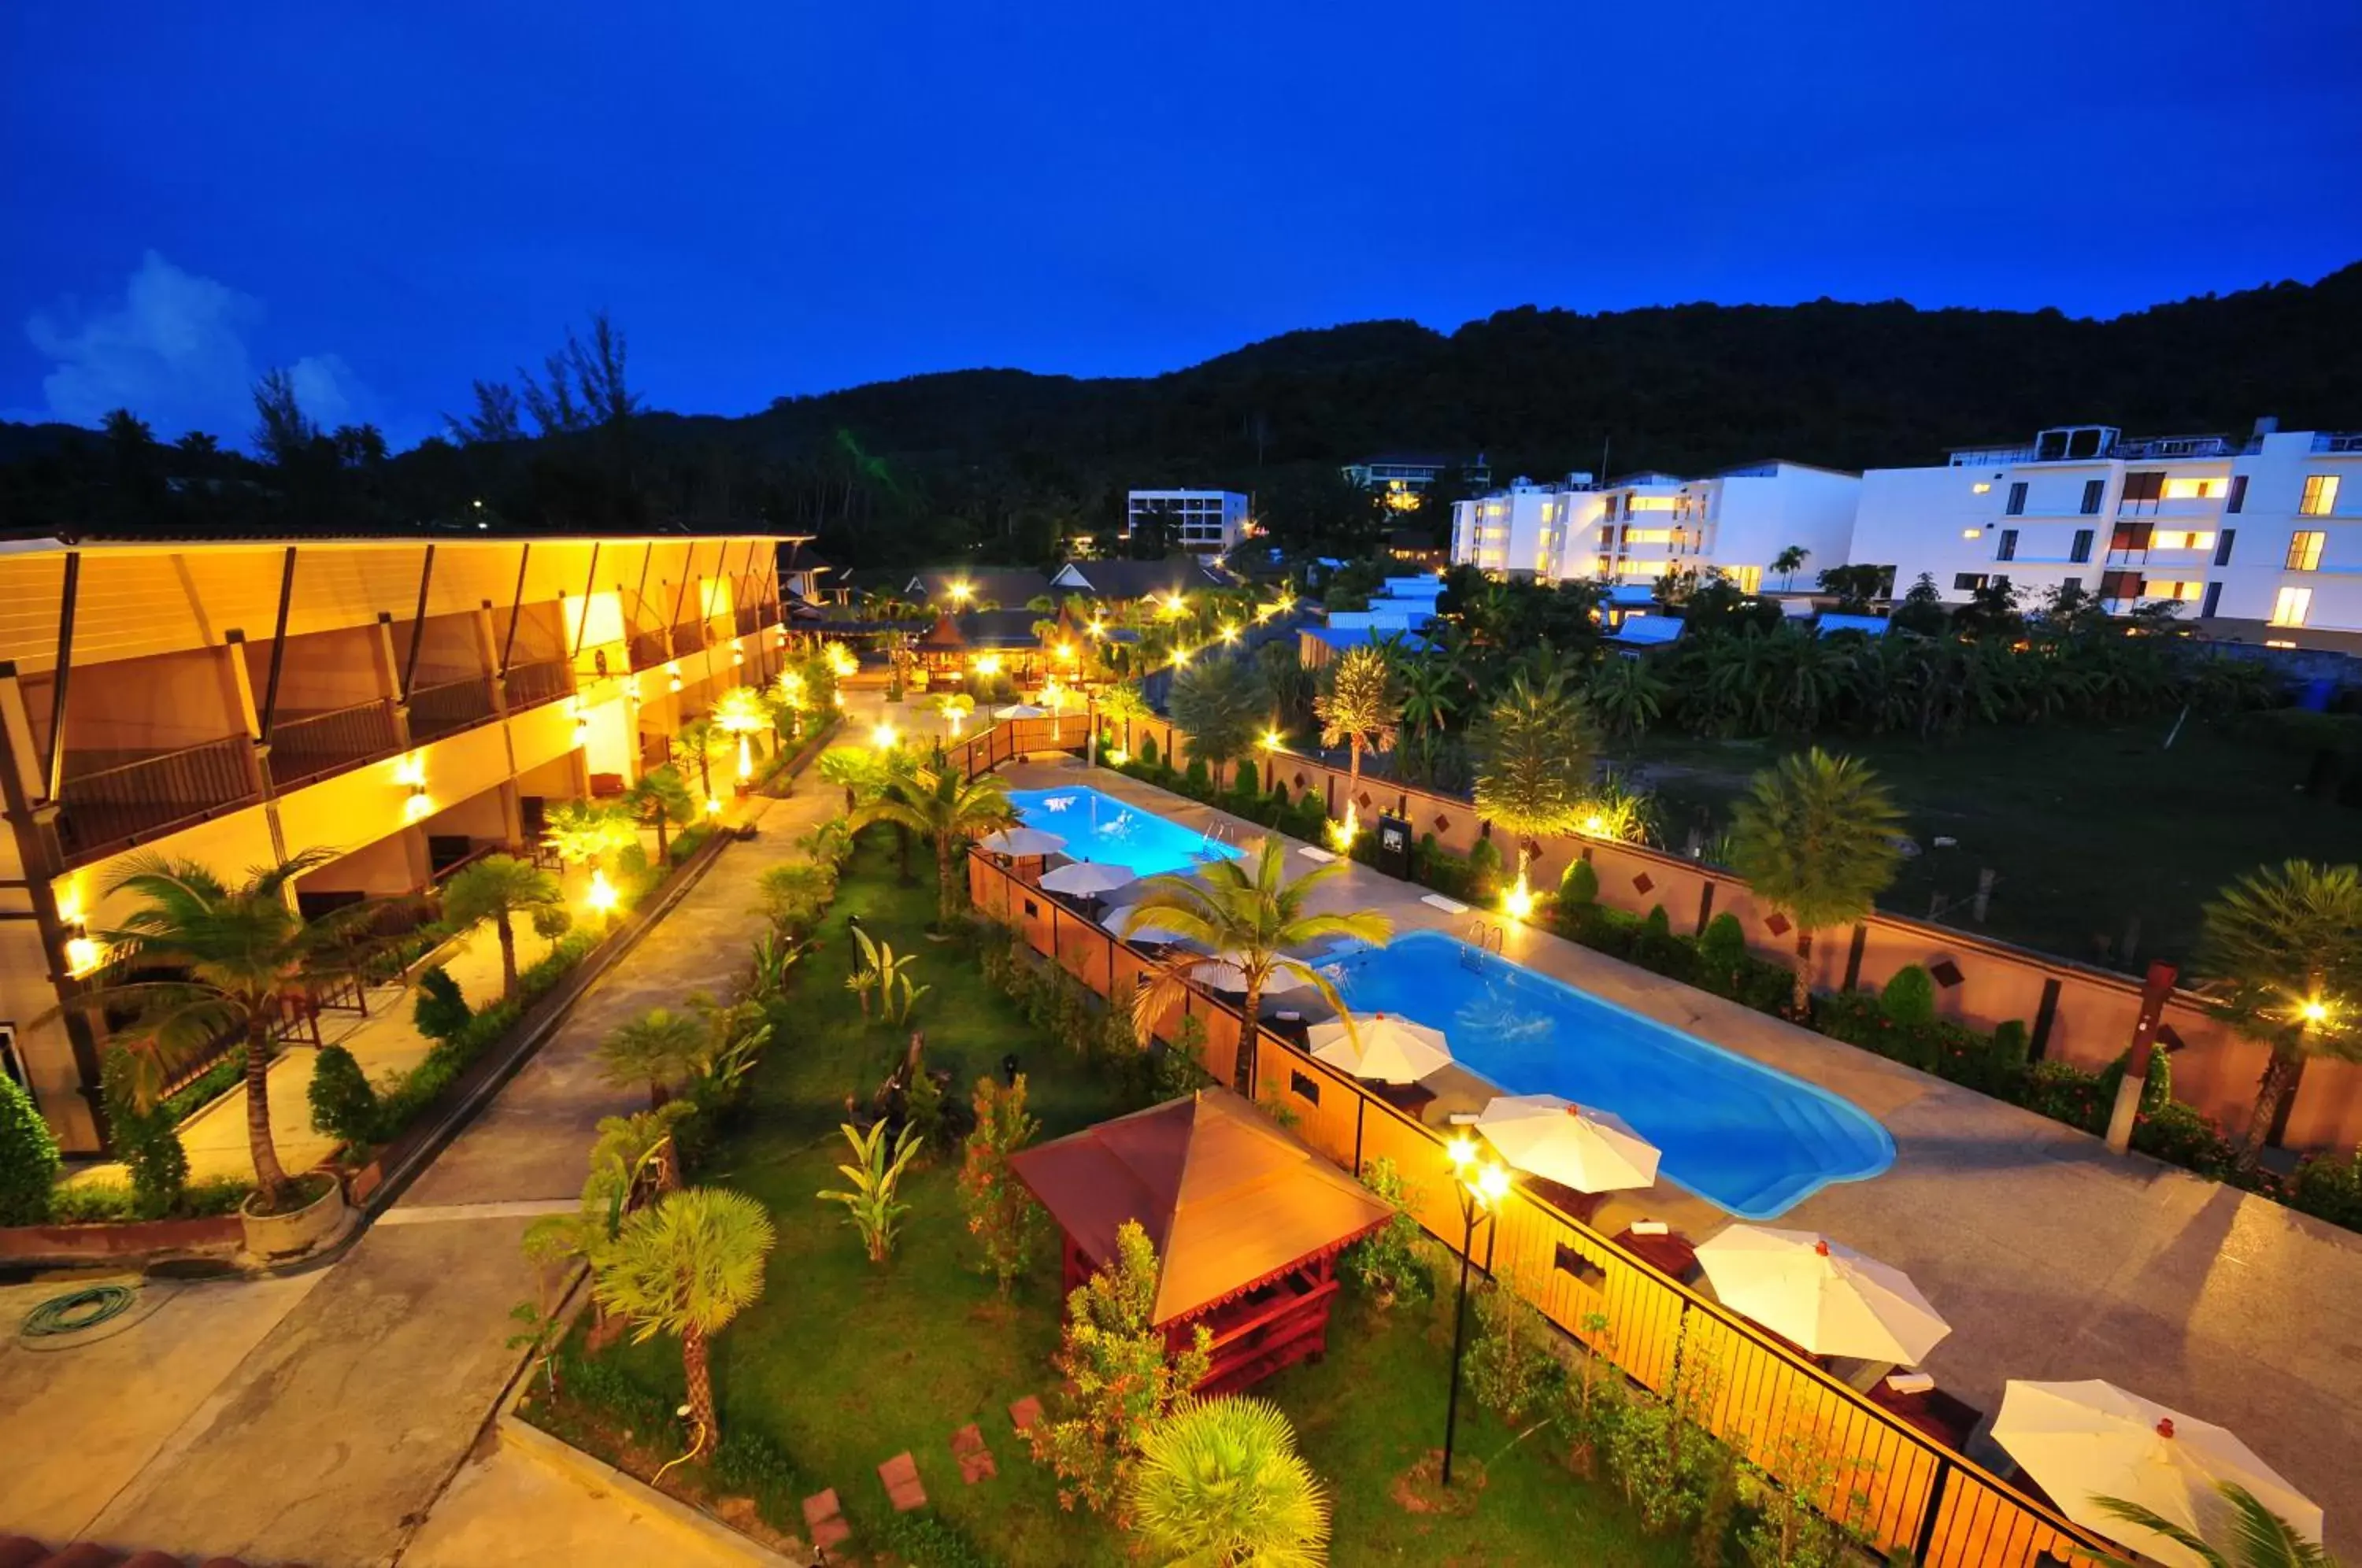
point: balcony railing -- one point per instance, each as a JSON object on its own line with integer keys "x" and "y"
{"x": 306, "y": 747}
{"x": 649, "y": 649}
{"x": 688, "y": 638}
{"x": 750, "y": 619}
{"x": 2337, "y": 441}
{"x": 113, "y": 807}
{"x": 529, "y": 685}
{"x": 449, "y": 706}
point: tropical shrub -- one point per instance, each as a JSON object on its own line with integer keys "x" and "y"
{"x": 872, "y": 1206}
{"x": 1485, "y": 869}
{"x": 440, "y": 1012}
{"x": 1387, "y": 1262}
{"x": 1909, "y": 998}
{"x": 1001, "y": 1215}
{"x": 1722, "y": 952}
{"x": 1511, "y": 1366}
{"x": 1580, "y": 884}
{"x": 29, "y": 1158}
{"x": 1118, "y": 1378}
{"x": 685, "y": 1266}
{"x": 2329, "y": 1186}
{"x": 145, "y": 1136}
{"x": 344, "y": 1106}
{"x": 1220, "y": 1482}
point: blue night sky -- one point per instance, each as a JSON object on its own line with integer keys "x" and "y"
{"x": 783, "y": 198}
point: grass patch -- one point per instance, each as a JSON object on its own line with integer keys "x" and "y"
{"x": 2086, "y": 828}
{"x": 842, "y": 1365}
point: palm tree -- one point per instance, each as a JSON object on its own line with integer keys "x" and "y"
{"x": 498, "y": 888}
{"x": 697, "y": 740}
{"x": 1626, "y": 695}
{"x": 2258, "y": 1538}
{"x": 1789, "y": 562}
{"x": 954, "y": 813}
{"x": 686, "y": 1265}
{"x": 1122, "y": 704}
{"x": 242, "y": 949}
{"x": 582, "y": 831}
{"x": 2284, "y": 947}
{"x": 1360, "y": 708}
{"x": 1816, "y": 839}
{"x": 659, "y": 1048}
{"x": 1430, "y": 688}
{"x": 1250, "y": 914}
{"x": 1217, "y": 704}
{"x": 856, "y": 770}
{"x": 630, "y": 1147}
{"x": 661, "y": 798}
{"x": 1219, "y": 1482}
{"x": 1533, "y": 755}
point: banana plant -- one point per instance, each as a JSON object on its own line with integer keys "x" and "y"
{"x": 879, "y": 968}
{"x": 770, "y": 958}
{"x": 871, "y": 1206}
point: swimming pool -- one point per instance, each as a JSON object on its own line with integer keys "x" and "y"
{"x": 1747, "y": 1136}
{"x": 1100, "y": 827}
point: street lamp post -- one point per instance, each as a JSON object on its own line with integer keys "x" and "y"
{"x": 1481, "y": 1187}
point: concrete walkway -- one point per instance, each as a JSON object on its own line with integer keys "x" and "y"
{"x": 2051, "y": 1258}
{"x": 318, "y": 1420}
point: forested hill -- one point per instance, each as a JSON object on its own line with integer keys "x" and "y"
{"x": 1681, "y": 388}
{"x": 1007, "y": 464}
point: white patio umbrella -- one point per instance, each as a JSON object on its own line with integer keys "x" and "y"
{"x": 1088, "y": 879}
{"x": 1224, "y": 973}
{"x": 1387, "y": 1047}
{"x": 2090, "y": 1440}
{"x": 1021, "y": 841}
{"x": 1020, "y": 711}
{"x": 1574, "y": 1146}
{"x": 1822, "y": 1294}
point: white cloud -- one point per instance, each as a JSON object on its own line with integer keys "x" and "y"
{"x": 174, "y": 350}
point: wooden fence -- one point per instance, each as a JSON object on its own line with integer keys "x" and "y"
{"x": 1763, "y": 1399}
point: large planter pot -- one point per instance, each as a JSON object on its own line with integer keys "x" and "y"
{"x": 298, "y": 1231}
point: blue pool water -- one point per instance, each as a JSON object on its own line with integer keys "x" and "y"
{"x": 1100, "y": 827}
{"x": 1747, "y": 1136}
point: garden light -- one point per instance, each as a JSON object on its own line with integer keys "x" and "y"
{"x": 84, "y": 957}
{"x": 962, "y": 592}
{"x": 1272, "y": 740}
{"x": 1097, "y": 627}
{"x": 1463, "y": 1150}
{"x": 1230, "y": 632}
{"x": 1065, "y": 653}
{"x": 745, "y": 759}
{"x": 883, "y": 737}
{"x": 2315, "y": 1010}
{"x": 1491, "y": 1184}
{"x": 1594, "y": 824}
{"x": 1180, "y": 657}
{"x": 713, "y": 805}
{"x": 1342, "y": 834}
{"x": 842, "y": 659}
{"x": 988, "y": 663}
{"x": 1117, "y": 758}
{"x": 1517, "y": 903}
{"x": 602, "y": 898}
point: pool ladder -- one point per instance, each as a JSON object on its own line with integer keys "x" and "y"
{"x": 1217, "y": 833}
{"x": 1483, "y": 937}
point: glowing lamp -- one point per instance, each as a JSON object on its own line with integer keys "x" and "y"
{"x": 962, "y": 592}
{"x": 1342, "y": 834}
{"x": 737, "y": 655}
{"x": 1117, "y": 758}
{"x": 672, "y": 677}
{"x": 84, "y": 957}
{"x": 1463, "y": 1150}
{"x": 713, "y": 805}
{"x": 1180, "y": 657}
{"x": 1595, "y": 823}
{"x": 1065, "y": 653}
{"x": 417, "y": 805}
{"x": 602, "y": 898}
{"x": 1491, "y": 1184}
{"x": 2314, "y": 1011}
{"x": 1097, "y": 627}
{"x": 1273, "y": 740}
{"x": 746, "y": 760}
{"x": 1230, "y": 632}
{"x": 883, "y": 737}
{"x": 988, "y": 663}
{"x": 1517, "y": 903}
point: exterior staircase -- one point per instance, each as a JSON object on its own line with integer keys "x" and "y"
{"x": 23, "y": 1551}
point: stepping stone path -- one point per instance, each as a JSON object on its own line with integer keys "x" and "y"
{"x": 975, "y": 1458}
{"x": 824, "y": 1520}
{"x": 901, "y": 1475}
{"x": 1024, "y": 1413}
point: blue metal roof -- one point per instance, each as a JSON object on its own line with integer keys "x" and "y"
{"x": 1647, "y": 631}
{"x": 1364, "y": 637}
{"x": 1867, "y": 625}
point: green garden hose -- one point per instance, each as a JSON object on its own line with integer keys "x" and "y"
{"x": 77, "y": 1310}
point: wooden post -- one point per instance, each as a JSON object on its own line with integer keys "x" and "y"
{"x": 2156, "y": 991}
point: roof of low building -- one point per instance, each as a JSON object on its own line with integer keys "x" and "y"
{"x": 1229, "y": 1201}
{"x": 1345, "y": 637}
{"x": 1138, "y": 580}
{"x": 1003, "y": 585}
{"x": 1647, "y": 631}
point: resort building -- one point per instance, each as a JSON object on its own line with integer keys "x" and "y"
{"x": 1205, "y": 521}
{"x": 970, "y": 588}
{"x": 1120, "y": 582}
{"x": 409, "y": 704}
{"x": 1403, "y": 477}
{"x": 1641, "y": 527}
{"x": 2243, "y": 534}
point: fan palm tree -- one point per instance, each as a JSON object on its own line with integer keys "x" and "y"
{"x": 659, "y": 1048}
{"x": 1360, "y": 708}
{"x": 1816, "y": 839}
{"x": 686, "y": 1265}
{"x": 1431, "y": 686}
{"x": 582, "y": 831}
{"x": 2283, "y": 946}
{"x": 1218, "y": 703}
{"x": 1219, "y": 1482}
{"x": 696, "y": 741}
{"x": 1533, "y": 761}
{"x": 951, "y": 813}
{"x": 2257, "y": 1538}
{"x": 661, "y": 798}
{"x": 1626, "y": 695}
{"x": 1250, "y": 914}
{"x": 241, "y": 948}
{"x": 498, "y": 888}
{"x": 1122, "y": 704}
{"x": 856, "y": 770}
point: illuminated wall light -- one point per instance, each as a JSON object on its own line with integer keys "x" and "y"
{"x": 1972, "y": 533}
{"x": 84, "y": 957}
{"x": 737, "y": 655}
{"x": 672, "y": 675}
{"x": 988, "y": 663}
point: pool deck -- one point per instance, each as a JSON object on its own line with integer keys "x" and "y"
{"x": 2051, "y": 1258}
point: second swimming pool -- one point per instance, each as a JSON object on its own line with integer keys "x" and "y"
{"x": 1747, "y": 1136}
{"x": 1100, "y": 827}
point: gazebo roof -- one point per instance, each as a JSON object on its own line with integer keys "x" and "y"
{"x": 943, "y": 636}
{"x": 1230, "y": 1201}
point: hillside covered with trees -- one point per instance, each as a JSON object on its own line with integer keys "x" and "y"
{"x": 1006, "y": 464}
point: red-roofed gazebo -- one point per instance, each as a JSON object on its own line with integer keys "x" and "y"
{"x": 1247, "y": 1223}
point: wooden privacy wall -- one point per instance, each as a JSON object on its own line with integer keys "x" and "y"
{"x": 1778, "y": 1411}
{"x": 2072, "y": 1012}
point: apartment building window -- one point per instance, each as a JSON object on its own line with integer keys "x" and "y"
{"x": 2222, "y": 547}
{"x": 2291, "y": 606}
{"x": 2008, "y": 549}
{"x": 2182, "y": 591}
{"x": 2120, "y": 585}
{"x": 1967, "y": 581}
{"x": 2214, "y": 601}
{"x": 2093, "y": 490}
{"x": 2238, "y": 493}
{"x": 2183, "y": 539}
{"x": 2132, "y": 537}
{"x": 2016, "y": 507}
{"x": 2070, "y": 586}
{"x": 2320, "y": 495}
{"x": 2081, "y": 550}
{"x": 2144, "y": 487}
{"x": 2304, "y": 549}
{"x": 2188, "y": 488}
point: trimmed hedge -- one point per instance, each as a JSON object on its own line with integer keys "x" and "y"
{"x": 29, "y": 1158}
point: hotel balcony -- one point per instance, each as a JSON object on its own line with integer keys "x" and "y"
{"x": 309, "y": 746}
{"x": 649, "y": 649}
{"x": 109, "y": 802}
{"x": 528, "y": 684}
{"x": 446, "y": 707}
{"x": 2162, "y": 560}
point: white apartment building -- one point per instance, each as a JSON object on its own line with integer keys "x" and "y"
{"x": 1403, "y": 476}
{"x": 1637, "y": 527}
{"x": 1206, "y": 521}
{"x": 2246, "y": 534}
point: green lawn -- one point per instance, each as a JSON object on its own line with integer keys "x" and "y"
{"x": 844, "y": 1364}
{"x": 2088, "y": 829}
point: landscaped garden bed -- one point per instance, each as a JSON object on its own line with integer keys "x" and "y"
{"x": 841, "y": 1365}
